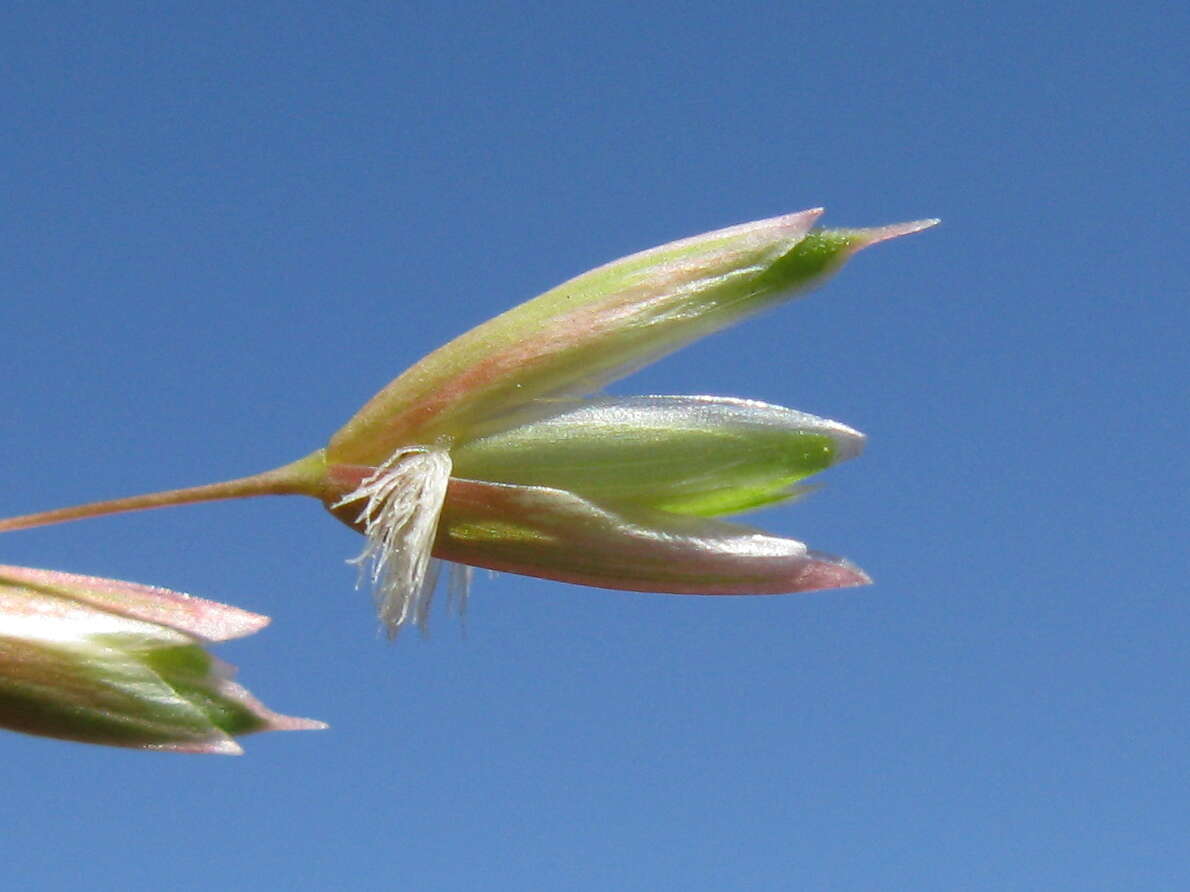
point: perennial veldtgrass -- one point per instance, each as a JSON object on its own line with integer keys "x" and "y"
{"x": 496, "y": 450}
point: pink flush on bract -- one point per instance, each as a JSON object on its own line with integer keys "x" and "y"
{"x": 497, "y": 451}
{"x": 109, "y": 662}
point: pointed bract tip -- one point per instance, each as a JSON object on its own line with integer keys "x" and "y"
{"x": 268, "y": 719}
{"x": 789, "y": 228}
{"x": 221, "y": 746}
{"x": 895, "y": 230}
{"x": 292, "y": 723}
{"x": 807, "y": 214}
{"x": 798, "y": 220}
{"x": 825, "y": 571}
{"x": 849, "y": 443}
{"x": 798, "y": 223}
{"x": 795, "y": 218}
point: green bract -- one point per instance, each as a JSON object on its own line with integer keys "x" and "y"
{"x": 492, "y": 452}
{"x": 685, "y": 454}
{"x": 485, "y": 453}
{"x": 596, "y": 328}
{"x": 556, "y": 534}
{"x": 102, "y": 661}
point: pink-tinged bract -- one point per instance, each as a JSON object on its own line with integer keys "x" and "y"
{"x": 614, "y": 492}
{"x": 495, "y": 450}
{"x": 109, "y": 662}
{"x": 555, "y": 534}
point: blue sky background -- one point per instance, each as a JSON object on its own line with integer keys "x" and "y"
{"x": 225, "y": 226}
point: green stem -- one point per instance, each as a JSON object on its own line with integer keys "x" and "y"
{"x": 302, "y": 477}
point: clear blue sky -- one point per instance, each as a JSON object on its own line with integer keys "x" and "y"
{"x": 224, "y": 226}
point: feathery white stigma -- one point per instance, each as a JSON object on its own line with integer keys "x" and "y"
{"x": 402, "y": 501}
